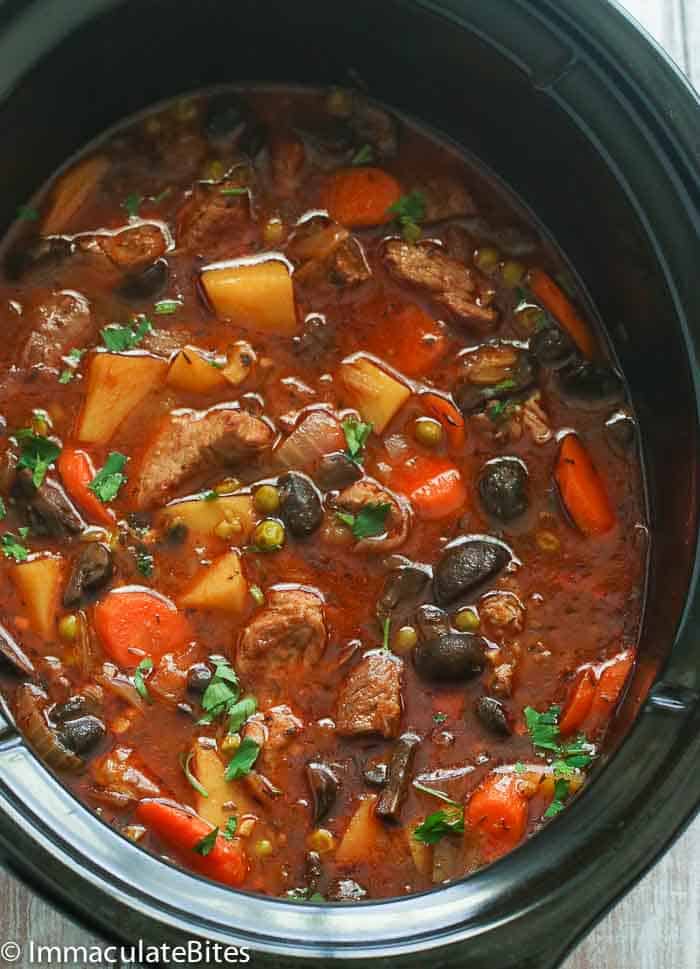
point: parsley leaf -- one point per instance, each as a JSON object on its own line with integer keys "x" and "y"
{"x": 303, "y": 895}
{"x": 242, "y": 761}
{"x": 439, "y": 717}
{"x": 571, "y": 755}
{"x": 144, "y": 563}
{"x": 207, "y": 843}
{"x": 369, "y": 521}
{"x": 356, "y": 434}
{"x": 240, "y": 711}
{"x": 543, "y": 728}
{"x": 166, "y": 306}
{"x": 132, "y": 203}
{"x": 157, "y": 199}
{"x": 508, "y": 384}
{"x": 363, "y": 156}
{"x": 36, "y": 453}
{"x": 409, "y": 211}
{"x": 118, "y": 338}
{"x": 12, "y": 548}
{"x": 72, "y": 358}
{"x": 221, "y": 694}
{"x": 257, "y": 594}
{"x": 3, "y": 510}
{"x": 110, "y": 478}
{"x": 145, "y": 666}
{"x": 26, "y": 213}
{"x": 561, "y": 792}
{"x": 233, "y": 191}
{"x": 230, "y": 828}
{"x": 441, "y": 823}
{"x": 185, "y": 762}
{"x": 386, "y": 632}
{"x": 210, "y": 495}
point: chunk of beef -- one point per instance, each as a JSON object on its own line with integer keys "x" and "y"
{"x": 187, "y": 441}
{"x": 374, "y": 126}
{"x": 290, "y": 631}
{"x": 325, "y": 250}
{"x": 121, "y": 777}
{"x": 445, "y": 197}
{"x": 47, "y": 509}
{"x": 348, "y": 265}
{"x": 369, "y": 701}
{"x": 211, "y": 223}
{"x": 397, "y": 521}
{"x": 273, "y": 731}
{"x": 287, "y": 158}
{"x": 59, "y": 323}
{"x": 164, "y": 343}
{"x": 134, "y": 248}
{"x": 449, "y": 283}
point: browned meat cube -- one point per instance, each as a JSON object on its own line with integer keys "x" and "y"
{"x": 288, "y": 632}
{"x": 348, "y": 264}
{"x": 370, "y": 699}
{"x": 445, "y": 197}
{"x": 212, "y": 221}
{"x": 449, "y": 283}
{"x": 188, "y": 441}
{"x": 59, "y": 323}
{"x": 135, "y": 248}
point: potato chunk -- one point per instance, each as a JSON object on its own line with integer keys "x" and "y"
{"x": 208, "y": 768}
{"x": 258, "y": 296}
{"x": 203, "y": 515}
{"x": 117, "y": 383}
{"x": 375, "y": 393}
{"x": 196, "y": 371}
{"x": 38, "y": 582}
{"x": 220, "y": 586}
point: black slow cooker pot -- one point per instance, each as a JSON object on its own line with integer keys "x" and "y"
{"x": 600, "y": 136}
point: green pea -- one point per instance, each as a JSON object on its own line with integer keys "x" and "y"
{"x": 266, "y": 499}
{"x": 428, "y": 432}
{"x": 466, "y": 620}
{"x": 512, "y": 273}
{"x": 269, "y": 535}
{"x": 404, "y": 640}
{"x": 487, "y": 259}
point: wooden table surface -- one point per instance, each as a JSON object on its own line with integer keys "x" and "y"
{"x": 657, "y": 926}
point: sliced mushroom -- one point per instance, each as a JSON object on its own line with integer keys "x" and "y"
{"x": 48, "y": 509}
{"x": 148, "y": 284}
{"x": 465, "y": 566}
{"x": 552, "y": 347}
{"x": 398, "y": 779}
{"x": 81, "y": 734}
{"x": 492, "y": 714}
{"x": 451, "y": 657}
{"x": 503, "y": 488}
{"x": 30, "y": 714}
{"x": 324, "y": 788}
{"x": 337, "y": 471}
{"x": 432, "y": 621}
{"x": 14, "y": 654}
{"x": 300, "y": 504}
{"x": 494, "y": 371}
{"x": 92, "y": 569}
{"x": 403, "y": 586}
{"x": 591, "y": 384}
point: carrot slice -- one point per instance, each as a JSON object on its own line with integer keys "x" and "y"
{"x": 578, "y": 703}
{"x": 183, "y": 832}
{"x": 608, "y": 691}
{"x": 445, "y": 411}
{"x": 408, "y": 339}
{"x": 555, "y": 300}
{"x": 498, "y": 810}
{"x": 581, "y": 488}
{"x": 434, "y": 486}
{"x": 77, "y": 471}
{"x": 358, "y": 197}
{"x": 132, "y": 621}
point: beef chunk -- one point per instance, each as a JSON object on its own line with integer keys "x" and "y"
{"x": 47, "y": 508}
{"x": 374, "y": 126}
{"x": 449, "y": 283}
{"x": 60, "y": 322}
{"x": 135, "y": 248}
{"x": 370, "y": 699}
{"x": 445, "y": 197}
{"x": 212, "y": 221}
{"x": 365, "y": 492}
{"x": 348, "y": 264}
{"x": 289, "y": 631}
{"x": 188, "y": 441}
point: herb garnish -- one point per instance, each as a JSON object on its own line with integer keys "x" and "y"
{"x": 185, "y": 761}
{"x": 118, "y": 338}
{"x": 409, "y": 211}
{"x": 132, "y": 203}
{"x": 433, "y": 791}
{"x": 369, "y": 521}
{"x": 439, "y": 717}
{"x": 257, "y": 594}
{"x": 164, "y": 307}
{"x": 3, "y": 510}
{"x": 210, "y": 495}
{"x": 221, "y": 694}
{"x": 571, "y": 755}
{"x": 233, "y": 191}
{"x": 356, "y": 434}
{"x": 386, "y": 632}
{"x": 145, "y": 666}
{"x": 303, "y": 895}
{"x": 230, "y": 828}
{"x": 36, "y": 453}
{"x": 363, "y": 156}
{"x": 561, "y": 793}
{"x": 72, "y": 358}
{"x": 12, "y": 548}
{"x": 207, "y": 843}
{"x": 240, "y": 711}
{"x": 144, "y": 563}
{"x": 242, "y": 761}
{"x": 27, "y": 214}
{"x": 436, "y": 826}
{"x": 110, "y": 478}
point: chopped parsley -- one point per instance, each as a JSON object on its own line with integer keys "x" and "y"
{"x": 356, "y": 434}
{"x": 157, "y": 199}
{"x": 369, "y": 522}
{"x": 207, "y": 843}
{"x": 363, "y": 156}
{"x": 303, "y": 895}
{"x": 257, "y": 594}
{"x": 570, "y": 755}
{"x": 164, "y": 307}
{"x": 222, "y": 693}
{"x": 498, "y": 410}
{"x": 233, "y": 191}
{"x": 110, "y": 478}
{"x": 118, "y": 338}
{"x": 240, "y": 711}
{"x": 439, "y": 717}
{"x": 242, "y": 761}
{"x": 12, "y": 548}
{"x": 145, "y": 666}
{"x": 185, "y": 761}
{"x": 561, "y": 792}
{"x": 72, "y": 358}
{"x": 36, "y": 453}
{"x": 132, "y": 203}
{"x": 3, "y": 510}
{"x": 409, "y": 212}
{"x": 543, "y": 728}
{"x": 446, "y": 821}
{"x": 508, "y": 384}
{"x": 230, "y": 828}
{"x": 210, "y": 495}
{"x": 26, "y": 213}
{"x": 386, "y": 632}
{"x": 144, "y": 563}
{"x": 433, "y": 791}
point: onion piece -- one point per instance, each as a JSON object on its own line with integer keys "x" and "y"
{"x": 12, "y": 652}
{"x": 33, "y": 724}
{"x": 319, "y": 433}
{"x": 121, "y": 687}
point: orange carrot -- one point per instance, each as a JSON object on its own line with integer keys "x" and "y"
{"x": 133, "y": 621}
{"x": 498, "y": 810}
{"x": 183, "y": 832}
{"x": 77, "y": 471}
{"x": 560, "y": 306}
{"x": 445, "y": 411}
{"x": 608, "y": 691}
{"x": 434, "y": 486}
{"x": 581, "y": 488}
{"x": 358, "y": 197}
{"x": 578, "y": 703}
{"x": 408, "y": 339}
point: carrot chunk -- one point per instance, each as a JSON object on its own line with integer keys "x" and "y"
{"x": 578, "y": 703}
{"x": 608, "y": 691}
{"x": 358, "y": 197}
{"x": 498, "y": 810}
{"x": 562, "y": 309}
{"x": 77, "y": 471}
{"x": 434, "y": 486}
{"x": 409, "y": 340}
{"x": 225, "y": 861}
{"x": 132, "y": 621}
{"x": 581, "y": 488}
